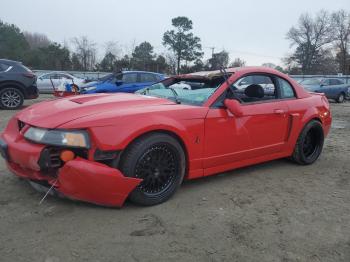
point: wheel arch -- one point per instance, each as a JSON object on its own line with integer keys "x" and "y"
{"x": 15, "y": 84}
{"x": 171, "y": 133}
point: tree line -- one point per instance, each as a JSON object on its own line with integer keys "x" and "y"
{"x": 320, "y": 42}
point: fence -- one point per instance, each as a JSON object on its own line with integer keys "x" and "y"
{"x": 345, "y": 78}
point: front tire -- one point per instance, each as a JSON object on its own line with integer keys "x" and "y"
{"x": 309, "y": 144}
{"x": 160, "y": 161}
{"x": 11, "y": 98}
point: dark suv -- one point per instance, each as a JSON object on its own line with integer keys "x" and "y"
{"x": 17, "y": 83}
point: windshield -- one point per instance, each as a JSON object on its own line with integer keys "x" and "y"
{"x": 187, "y": 91}
{"x": 312, "y": 81}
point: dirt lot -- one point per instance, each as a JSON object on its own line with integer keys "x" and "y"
{"x": 276, "y": 211}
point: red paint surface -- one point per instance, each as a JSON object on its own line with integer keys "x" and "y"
{"x": 96, "y": 183}
{"x": 214, "y": 139}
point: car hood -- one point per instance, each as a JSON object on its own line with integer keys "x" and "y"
{"x": 54, "y": 113}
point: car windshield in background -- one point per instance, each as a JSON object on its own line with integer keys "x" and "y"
{"x": 188, "y": 91}
{"x": 312, "y": 81}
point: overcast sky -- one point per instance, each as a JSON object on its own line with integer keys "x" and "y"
{"x": 252, "y": 30}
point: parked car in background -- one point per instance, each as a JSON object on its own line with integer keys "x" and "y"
{"x": 298, "y": 79}
{"x": 58, "y": 78}
{"x": 182, "y": 85}
{"x": 17, "y": 83}
{"x": 127, "y": 82}
{"x": 333, "y": 88}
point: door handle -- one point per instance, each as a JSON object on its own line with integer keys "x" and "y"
{"x": 279, "y": 111}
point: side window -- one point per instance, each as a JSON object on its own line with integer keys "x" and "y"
{"x": 56, "y": 76}
{"x": 148, "y": 78}
{"x": 65, "y": 77}
{"x": 3, "y": 67}
{"x": 254, "y": 88}
{"x": 129, "y": 78}
{"x": 326, "y": 82}
{"x": 332, "y": 82}
{"x": 336, "y": 82}
{"x": 285, "y": 88}
{"x": 48, "y": 76}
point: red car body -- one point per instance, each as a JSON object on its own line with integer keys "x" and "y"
{"x": 213, "y": 138}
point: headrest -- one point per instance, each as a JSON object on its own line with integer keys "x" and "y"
{"x": 255, "y": 91}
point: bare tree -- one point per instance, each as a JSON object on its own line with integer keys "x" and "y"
{"x": 85, "y": 50}
{"x": 36, "y": 40}
{"x": 341, "y": 25}
{"x": 114, "y": 48}
{"x": 171, "y": 60}
{"x": 219, "y": 60}
{"x": 310, "y": 36}
{"x": 238, "y": 63}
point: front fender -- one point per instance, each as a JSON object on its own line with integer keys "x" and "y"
{"x": 190, "y": 132}
{"x": 117, "y": 137}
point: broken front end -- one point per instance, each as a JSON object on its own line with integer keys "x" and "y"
{"x": 67, "y": 161}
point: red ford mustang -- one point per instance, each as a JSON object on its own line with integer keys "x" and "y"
{"x": 104, "y": 148}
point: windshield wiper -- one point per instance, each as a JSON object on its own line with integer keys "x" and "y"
{"x": 176, "y": 96}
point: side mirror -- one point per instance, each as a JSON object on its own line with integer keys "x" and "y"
{"x": 119, "y": 82}
{"x": 234, "y": 107}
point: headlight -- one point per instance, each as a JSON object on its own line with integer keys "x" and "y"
{"x": 90, "y": 88}
{"x": 54, "y": 137}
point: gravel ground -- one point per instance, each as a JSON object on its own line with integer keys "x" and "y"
{"x": 277, "y": 211}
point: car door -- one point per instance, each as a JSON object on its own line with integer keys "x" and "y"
{"x": 325, "y": 87}
{"x": 261, "y": 131}
{"x": 44, "y": 83}
{"x": 129, "y": 83}
{"x": 336, "y": 88}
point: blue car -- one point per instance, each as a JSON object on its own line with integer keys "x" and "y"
{"x": 333, "y": 88}
{"x": 127, "y": 82}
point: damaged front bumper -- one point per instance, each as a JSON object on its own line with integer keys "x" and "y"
{"x": 78, "y": 179}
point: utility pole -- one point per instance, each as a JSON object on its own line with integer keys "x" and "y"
{"x": 212, "y": 50}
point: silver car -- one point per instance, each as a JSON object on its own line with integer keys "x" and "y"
{"x": 44, "y": 81}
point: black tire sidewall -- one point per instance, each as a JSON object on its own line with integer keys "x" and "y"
{"x": 299, "y": 150}
{"x": 341, "y": 100}
{"x": 2, "y": 106}
{"x": 132, "y": 155}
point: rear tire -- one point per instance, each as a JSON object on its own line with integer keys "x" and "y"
{"x": 160, "y": 161}
{"x": 340, "y": 98}
{"x": 11, "y": 98}
{"x": 309, "y": 144}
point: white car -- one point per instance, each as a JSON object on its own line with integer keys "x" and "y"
{"x": 181, "y": 85}
{"x": 58, "y": 79}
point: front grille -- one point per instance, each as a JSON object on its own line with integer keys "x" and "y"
{"x": 55, "y": 159}
{"x": 50, "y": 159}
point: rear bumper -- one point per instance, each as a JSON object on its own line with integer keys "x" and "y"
{"x": 78, "y": 179}
{"x": 31, "y": 92}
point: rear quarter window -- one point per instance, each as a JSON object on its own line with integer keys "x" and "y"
{"x": 4, "y": 67}
{"x": 286, "y": 89}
